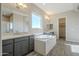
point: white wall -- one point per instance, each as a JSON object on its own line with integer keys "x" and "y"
{"x": 0, "y": 33}
{"x": 17, "y": 23}
{"x": 28, "y": 12}
{"x": 72, "y": 25}
{"x": 40, "y": 12}
{"x": 20, "y": 23}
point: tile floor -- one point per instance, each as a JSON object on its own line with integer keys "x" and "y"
{"x": 62, "y": 48}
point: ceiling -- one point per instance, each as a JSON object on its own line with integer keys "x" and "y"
{"x": 55, "y": 8}
{"x": 49, "y": 8}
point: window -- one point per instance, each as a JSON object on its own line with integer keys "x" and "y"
{"x": 36, "y": 21}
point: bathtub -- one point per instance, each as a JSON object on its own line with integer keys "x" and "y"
{"x": 44, "y": 43}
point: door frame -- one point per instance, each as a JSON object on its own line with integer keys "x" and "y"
{"x": 65, "y": 26}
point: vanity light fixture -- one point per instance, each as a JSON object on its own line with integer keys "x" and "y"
{"x": 21, "y": 5}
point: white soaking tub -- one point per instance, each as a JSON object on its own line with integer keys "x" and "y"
{"x": 44, "y": 43}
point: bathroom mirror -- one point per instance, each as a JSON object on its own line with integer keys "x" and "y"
{"x": 14, "y": 21}
{"x": 7, "y": 22}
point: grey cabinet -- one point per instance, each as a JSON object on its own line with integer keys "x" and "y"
{"x": 31, "y": 43}
{"x": 18, "y": 46}
{"x": 21, "y": 46}
{"x": 7, "y": 47}
{"x": 24, "y": 47}
{"x": 17, "y": 49}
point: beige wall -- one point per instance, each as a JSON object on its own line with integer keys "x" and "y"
{"x": 72, "y": 25}
{"x": 27, "y": 12}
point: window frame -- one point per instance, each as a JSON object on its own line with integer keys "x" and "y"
{"x": 41, "y": 24}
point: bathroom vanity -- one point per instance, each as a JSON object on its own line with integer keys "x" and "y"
{"x": 17, "y": 45}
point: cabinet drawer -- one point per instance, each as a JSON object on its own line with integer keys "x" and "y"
{"x": 20, "y": 39}
{"x": 6, "y": 42}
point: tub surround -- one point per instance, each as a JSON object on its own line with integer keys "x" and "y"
{"x": 44, "y": 43}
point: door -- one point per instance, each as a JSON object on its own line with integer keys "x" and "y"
{"x": 62, "y": 28}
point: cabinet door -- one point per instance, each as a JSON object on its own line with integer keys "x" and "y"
{"x": 21, "y": 46}
{"x": 17, "y": 49}
{"x": 31, "y": 43}
{"x": 24, "y": 45}
{"x": 7, "y": 50}
{"x": 7, "y": 47}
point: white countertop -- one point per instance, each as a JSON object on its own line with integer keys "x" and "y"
{"x": 6, "y": 36}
